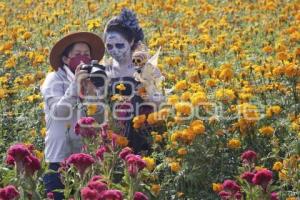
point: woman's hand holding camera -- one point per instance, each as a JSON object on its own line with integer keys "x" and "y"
{"x": 86, "y": 86}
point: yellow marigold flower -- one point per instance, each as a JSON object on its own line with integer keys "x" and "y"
{"x": 267, "y": 49}
{"x": 273, "y": 110}
{"x": 150, "y": 163}
{"x": 26, "y": 36}
{"x": 158, "y": 138}
{"x": 11, "y": 62}
{"x": 181, "y": 85}
{"x": 41, "y": 105}
{"x": 2, "y": 93}
{"x": 186, "y": 96}
{"x": 226, "y": 74}
{"x": 295, "y": 126}
{"x": 39, "y": 154}
{"x": 267, "y": 130}
{"x": 225, "y": 94}
{"x": 197, "y": 126}
{"x": 291, "y": 198}
{"x": 33, "y": 98}
{"x": 92, "y": 7}
{"x": 93, "y": 24}
{"x": 43, "y": 132}
{"x": 188, "y": 135}
{"x": 152, "y": 118}
{"x": 283, "y": 175}
{"x": 155, "y": 188}
{"x": 234, "y": 144}
{"x": 249, "y": 112}
{"x": 182, "y": 151}
{"x": 183, "y": 107}
{"x": 175, "y": 166}
{"x": 163, "y": 113}
{"x": 122, "y": 141}
{"x": 121, "y": 87}
{"x": 91, "y": 109}
{"x": 173, "y": 99}
{"x": 217, "y": 187}
{"x": 117, "y": 97}
{"x": 277, "y": 166}
{"x": 175, "y": 136}
{"x": 211, "y": 82}
{"x": 291, "y": 70}
{"x": 282, "y": 56}
{"x": 198, "y": 98}
{"x": 7, "y": 46}
{"x": 139, "y": 119}
{"x": 278, "y": 71}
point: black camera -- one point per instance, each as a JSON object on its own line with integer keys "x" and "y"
{"x": 97, "y": 73}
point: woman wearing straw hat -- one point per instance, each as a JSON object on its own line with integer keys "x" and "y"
{"x": 60, "y": 91}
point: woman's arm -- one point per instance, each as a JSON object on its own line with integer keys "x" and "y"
{"x": 60, "y": 103}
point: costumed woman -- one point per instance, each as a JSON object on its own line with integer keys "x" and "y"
{"x": 123, "y": 38}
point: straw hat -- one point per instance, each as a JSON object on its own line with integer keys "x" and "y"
{"x": 95, "y": 42}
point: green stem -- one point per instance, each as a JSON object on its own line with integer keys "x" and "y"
{"x": 113, "y": 162}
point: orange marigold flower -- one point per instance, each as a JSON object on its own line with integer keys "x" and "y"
{"x": 277, "y": 166}
{"x": 175, "y": 166}
{"x": 155, "y": 188}
{"x": 217, "y": 187}
{"x": 267, "y": 130}
{"x": 182, "y": 151}
{"x": 234, "y": 144}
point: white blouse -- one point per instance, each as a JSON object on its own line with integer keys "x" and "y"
{"x": 62, "y": 110}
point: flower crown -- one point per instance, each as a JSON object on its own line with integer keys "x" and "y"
{"x": 128, "y": 19}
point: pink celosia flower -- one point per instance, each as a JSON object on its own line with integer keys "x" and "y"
{"x": 126, "y": 151}
{"x": 274, "y": 196}
{"x": 111, "y": 195}
{"x": 135, "y": 163}
{"x": 140, "y": 196}
{"x": 9, "y": 193}
{"x": 100, "y": 152}
{"x": 262, "y": 178}
{"x": 232, "y": 186}
{"x": 50, "y": 195}
{"x": 104, "y": 131}
{"x": 248, "y": 176}
{"x": 20, "y": 155}
{"x": 81, "y": 161}
{"x": 10, "y": 160}
{"x": 97, "y": 185}
{"x": 32, "y": 164}
{"x": 18, "y": 152}
{"x": 86, "y": 127}
{"x": 248, "y": 156}
{"x": 224, "y": 195}
{"x": 89, "y": 194}
{"x": 97, "y": 178}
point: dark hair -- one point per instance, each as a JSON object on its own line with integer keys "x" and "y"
{"x": 127, "y": 25}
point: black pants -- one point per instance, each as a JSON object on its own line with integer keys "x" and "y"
{"x": 52, "y": 181}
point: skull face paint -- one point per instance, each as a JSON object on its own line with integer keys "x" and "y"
{"x": 118, "y": 47}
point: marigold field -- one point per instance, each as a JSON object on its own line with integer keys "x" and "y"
{"x": 236, "y": 62}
